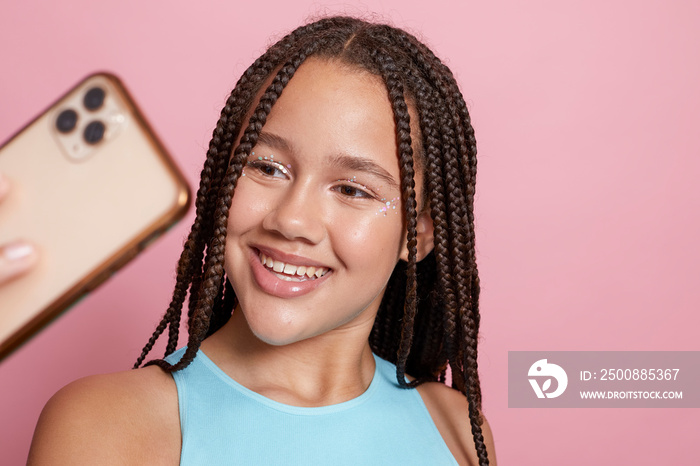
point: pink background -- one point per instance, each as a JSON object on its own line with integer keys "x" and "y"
{"x": 587, "y": 207}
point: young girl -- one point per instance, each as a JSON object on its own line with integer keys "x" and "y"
{"x": 331, "y": 276}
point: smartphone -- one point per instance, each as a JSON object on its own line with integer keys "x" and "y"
{"x": 91, "y": 186}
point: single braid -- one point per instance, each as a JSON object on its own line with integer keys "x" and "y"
{"x": 434, "y": 271}
{"x": 385, "y": 333}
{"x": 394, "y": 85}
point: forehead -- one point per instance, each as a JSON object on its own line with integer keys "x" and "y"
{"x": 329, "y": 108}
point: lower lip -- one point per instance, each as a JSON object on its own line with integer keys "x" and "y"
{"x": 275, "y": 286}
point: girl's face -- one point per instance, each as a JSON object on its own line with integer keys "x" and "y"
{"x": 316, "y": 226}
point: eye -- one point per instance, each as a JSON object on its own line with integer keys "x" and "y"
{"x": 353, "y": 191}
{"x": 269, "y": 168}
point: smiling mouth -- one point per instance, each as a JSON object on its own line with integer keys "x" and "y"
{"x": 291, "y": 272}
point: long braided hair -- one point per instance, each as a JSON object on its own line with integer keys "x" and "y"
{"x": 429, "y": 317}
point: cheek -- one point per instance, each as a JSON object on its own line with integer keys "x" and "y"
{"x": 374, "y": 237}
{"x": 247, "y": 205}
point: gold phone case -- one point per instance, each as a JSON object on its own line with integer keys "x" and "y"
{"x": 90, "y": 198}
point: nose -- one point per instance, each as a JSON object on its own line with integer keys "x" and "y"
{"x": 297, "y": 215}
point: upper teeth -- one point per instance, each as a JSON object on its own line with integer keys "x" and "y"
{"x": 290, "y": 269}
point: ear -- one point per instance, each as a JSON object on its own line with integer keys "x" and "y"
{"x": 424, "y": 236}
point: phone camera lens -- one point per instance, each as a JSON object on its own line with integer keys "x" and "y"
{"x": 66, "y": 121}
{"x": 94, "y": 98}
{"x": 94, "y": 132}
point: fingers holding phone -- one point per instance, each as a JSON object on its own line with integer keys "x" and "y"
{"x": 17, "y": 257}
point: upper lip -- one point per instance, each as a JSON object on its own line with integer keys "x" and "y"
{"x": 287, "y": 258}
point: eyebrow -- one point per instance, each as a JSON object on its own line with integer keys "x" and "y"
{"x": 345, "y": 161}
{"x": 275, "y": 142}
{"x": 364, "y": 165}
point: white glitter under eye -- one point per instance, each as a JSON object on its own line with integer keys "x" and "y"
{"x": 388, "y": 206}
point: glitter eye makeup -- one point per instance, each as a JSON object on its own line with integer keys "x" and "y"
{"x": 354, "y": 181}
{"x": 389, "y": 205}
{"x": 368, "y": 193}
{"x": 262, "y": 163}
{"x": 267, "y": 161}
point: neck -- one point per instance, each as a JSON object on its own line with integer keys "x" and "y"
{"x": 319, "y": 371}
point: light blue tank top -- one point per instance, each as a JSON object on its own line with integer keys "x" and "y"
{"x": 224, "y": 423}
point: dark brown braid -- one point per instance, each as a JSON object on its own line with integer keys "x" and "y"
{"x": 394, "y": 85}
{"x": 429, "y": 316}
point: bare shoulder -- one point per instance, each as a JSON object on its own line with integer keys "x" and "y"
{"x": 111, "y": 419}
{"x": 450, "y": 412}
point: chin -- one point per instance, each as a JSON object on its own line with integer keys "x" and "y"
{"x": 275, "y": 331}
{"x": 279, "y": 338}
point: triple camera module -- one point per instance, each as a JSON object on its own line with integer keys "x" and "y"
{"x": 88, "y": 119}
{"x": 68, "y": 119}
